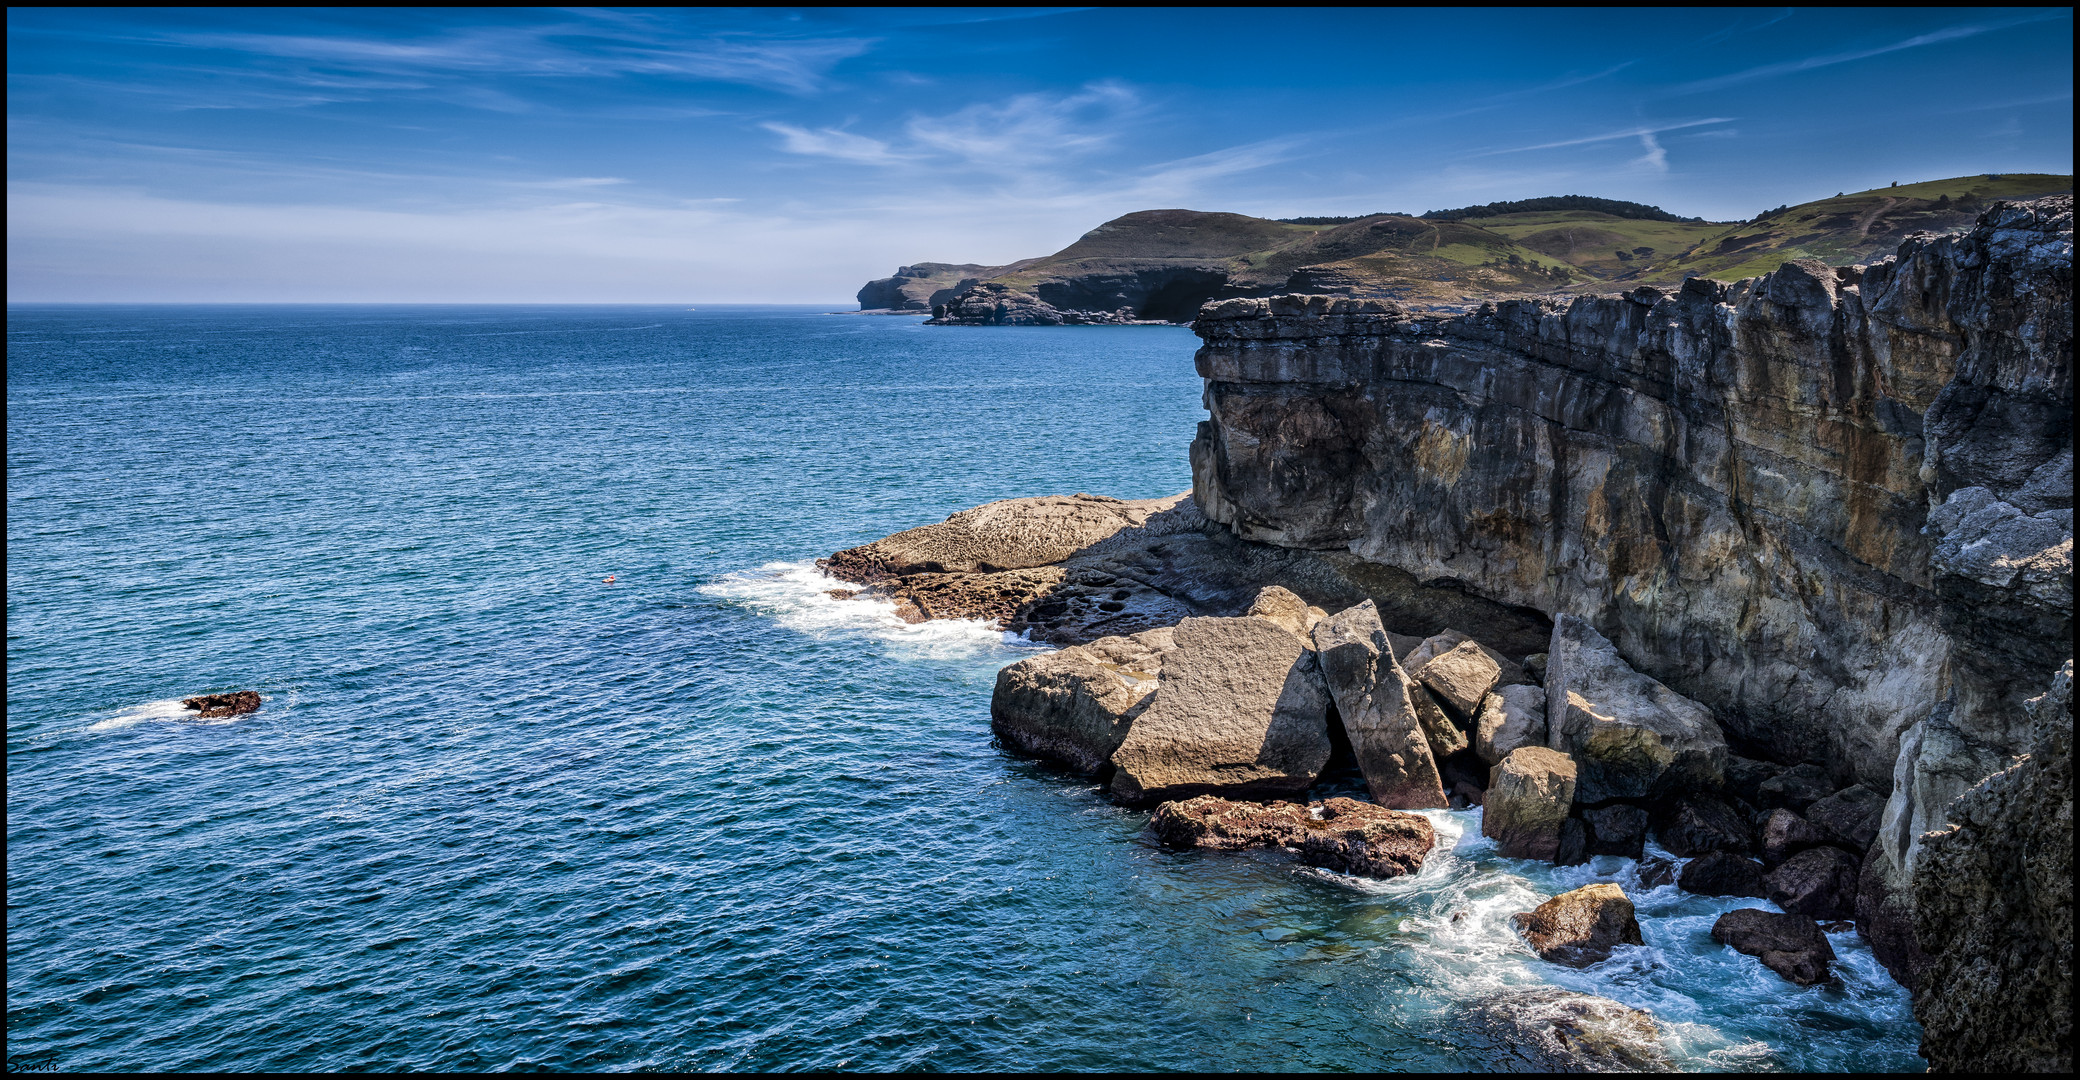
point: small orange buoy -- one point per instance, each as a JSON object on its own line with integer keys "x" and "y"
{"x": 610, "y": 580}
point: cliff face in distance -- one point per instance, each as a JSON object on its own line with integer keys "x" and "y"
{"x": 1833, "y": 504}
{"x": 1160, "y": 265}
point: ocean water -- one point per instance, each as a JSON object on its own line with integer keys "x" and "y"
{"x": 499, "y": 814}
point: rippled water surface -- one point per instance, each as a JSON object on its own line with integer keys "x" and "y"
{"x": 496, "y": 813}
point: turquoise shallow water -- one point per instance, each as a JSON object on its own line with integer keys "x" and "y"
{"x": 497, "y": 814}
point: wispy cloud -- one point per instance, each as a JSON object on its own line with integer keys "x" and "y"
{"x": 1656, "y": 158}
{"x": 1609, "y": 136}
{"x": 832, "y": 143}
{"x": 1791, "y": 67}
{"x": 1741, "y": 26}
{"x": 1030, "y": 128}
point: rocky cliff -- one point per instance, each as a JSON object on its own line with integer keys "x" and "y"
{"x": 1832, "y": 504}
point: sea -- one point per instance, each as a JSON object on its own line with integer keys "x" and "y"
{"x": 498, "y": 812}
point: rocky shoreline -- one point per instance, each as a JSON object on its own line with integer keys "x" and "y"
{"x": 1774, "y": 572}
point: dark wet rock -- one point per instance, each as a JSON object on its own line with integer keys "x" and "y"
{"x": 1745, "y": 777}
{"x": 213, "y": 706}
{"x": 1527, "y": 800}
{"x": 1581, "y": 927}
{"x": 1795, "y": 788}
{"x": 1785, "y": 834}
{"x": 1631, "y": 737}
{"x": 1574, "y": 844}
{"x": 1465, "y": 794}
{"x": 1694, "y": 824}
{"x": 1619, "y": 829}
{"x": 1849, "y": 817}
{"x": 1884, "y": 920}
{"x": 1338, "y": 834}
{"x": 1790, "y": 945}
{"x": 1993, "y": 905}
{"x": 1372, "y": 695}
{"x": 1722, "y": 873}
{"x": 1655, "y": 871}
{"x": 1546, "y": 1029}
{"x": 1820, "y": 882}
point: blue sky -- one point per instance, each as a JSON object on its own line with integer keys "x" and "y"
{"x": 772, "y": 156}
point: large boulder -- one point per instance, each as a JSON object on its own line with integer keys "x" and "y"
{"x": 1284, "y": 607}
{"x": 1694, "y": 824}
{"x": 1527, "y": 801}
{"x": 1618, "y": 829}
{"x": 1075, "y": 706}
{"x": 1790, "y": 945}
{"x": 1239, "y": 710}
{"x": 1820, "y": 882}
{"x": 1512, "y": 716}
{"x": 1722, "y": 873}
{"x": 1338, "y": 834}
{"x": 1849, "y": 817}
{"x": 1461, "y": 677}
{"x": 1632, "y": 737}
{"x": 1745, "y": 777}
{"x": 1580, "y": 928}
{"x": 1785, "y": 834}
{"x": 1546, "y": 1029}
{"x": 1372, "y": 696}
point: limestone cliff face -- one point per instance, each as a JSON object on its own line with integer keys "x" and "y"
{"x": 1833, "y": 504}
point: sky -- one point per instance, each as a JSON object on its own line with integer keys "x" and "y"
{"x": 774, "y": 156}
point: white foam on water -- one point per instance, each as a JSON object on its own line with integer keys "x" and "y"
{"x": 168, "y": 709}
{"x": 796, "y": 595}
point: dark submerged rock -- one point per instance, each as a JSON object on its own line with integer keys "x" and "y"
{"x": 1722, "y": 873}
{"x": 213, "y": 706}
{"x": 1820, "y": 882}
{"x": 1619, "y": 829}
{"x": 1695, "y": 824}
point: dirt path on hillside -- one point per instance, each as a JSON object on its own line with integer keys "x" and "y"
{"x": 1863, "y": 228}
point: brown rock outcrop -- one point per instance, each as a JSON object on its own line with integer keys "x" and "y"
{"x": 1337, "y": 834}
{"x": 1580, "y": 928}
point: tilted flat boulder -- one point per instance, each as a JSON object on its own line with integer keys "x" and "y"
{"x": 1461, "y": 677}
{"x": 1075, "y": 706}
{"x": 1580, "y": 928}
{"x": 1009, "y": 534}
{"x": 1820, "y": 882}
{"x": 1790, "y": 945}
{"x": 1632, "y": 737}
{"x": 1563, "y": 1031}
{"x": 1378, "y": 716}
{"x": 1527, "y": 801}
{"x": 1239, "y": 710}
{"x": 1338, "y": 834}
{"x": 1510, "y": 717}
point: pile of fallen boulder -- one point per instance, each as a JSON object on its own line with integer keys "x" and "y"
{"x": 1223, "y": 723}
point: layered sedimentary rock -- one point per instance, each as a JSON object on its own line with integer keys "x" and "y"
{"x": 1833, "y": 506}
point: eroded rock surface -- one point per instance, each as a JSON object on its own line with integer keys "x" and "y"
{"x": 1581, "y": 927}
{"x": 1993, "y": 906}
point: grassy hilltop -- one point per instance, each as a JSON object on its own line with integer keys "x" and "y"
{"x": 1161, "y": 264}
